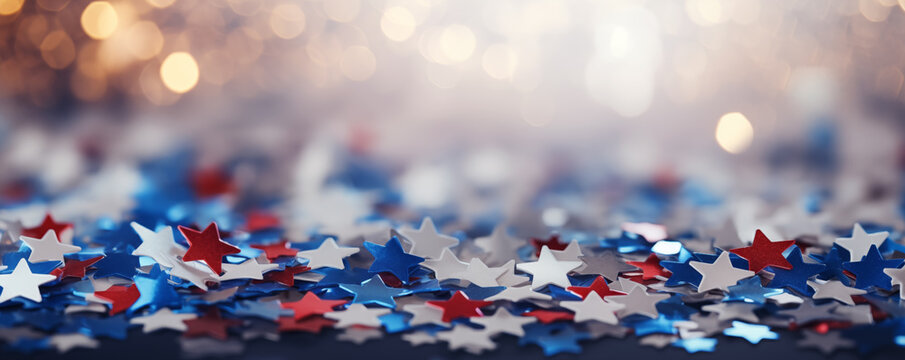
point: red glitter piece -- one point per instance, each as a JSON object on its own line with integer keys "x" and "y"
{"x": 207, "y": 246}
{"x": 211, "y": 324}
{"x": 763, "y": 253}
{"x": 553, "y": 243}
{"x": 310, "y": 304}
{"x": 459, "y": 306}
{"x": 276, "y": 249}
{"x": 121, "y": 297}
{"x": 75, "y": 268}
{"x": 548, "y": 316}
{"x": 650, "y": 267}
{"x": 46, "y": 225}
{"x": 599, "y": 286}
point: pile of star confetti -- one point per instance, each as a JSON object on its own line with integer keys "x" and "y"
{"x": 241, "y": 275}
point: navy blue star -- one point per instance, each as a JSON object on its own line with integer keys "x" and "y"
{"x": 155, "y": 291}
{"x": 565, "y": 341}
{"x": 121, "y": 264}
{"x": 660, "y": 325}
{"x": 348, "y": 275}
{"x": 750, "y": 291}
{"x": 391, "y": 258}
{"x": 682, "y": 272}
{"x": 395, "y": 322}
{"x": 374, "y": 291}
{"x": 833, "y": 261}
{"x": 796, "y": 278}
{"x": 869, "y": 271}
{"x": 475, "y": 292}
{"x": 115, "y": 327}
{"x": 626, "y": 243}
{"x": 675, "y": 309}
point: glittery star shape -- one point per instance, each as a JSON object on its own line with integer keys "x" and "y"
{"x": 391, "y": 258}
{"x": 155, "y": 290}
{"x": 519, "y": 293}
{"x": 207, "y": 246}
{"x": 503, "y": 322}
{"x": 277, "y": 249}
{"x": 479, "y": 274}
{"x": 120, "y": 297}
{"x": 47, "y": 248}
{"x": 328, "y": 254}
{"x": 459, "y": 306}
{"x": 825, "y": 343}
{"x": 549, "y": 316}
{"x": 752, "y": 332}
{"x": 23, "y": 283}
{"x": 607, "y": 264}
{"x": 211, "y": 324}
{"x": 374, "y": 291}
{"x": 751, "y": 291}
{"x": 248, "y": 269}
{"x": 835, "y": 290}
{"x": 463, "y": 337}
{"x": 311, "y": 304}
{"x": 357, "y": 314}
{"x": 897, "y": 276}
{"x": 46, "y": 225}
{"x": 719, "y": 275}
{"x": 548, "y": 270}
{"x": 859, "y": 244}
{"x": 797, "y": 277}
{"x": 499, "y": 247}
{"x": 448, "y": 266}
{"x": 593, "y": 307}
{"x": 870, "y": 270}
{"x": 426, "y": 241}
{"x": 65, "y": 342}
{"x": 639, "y": 301}
{"x": 285, "y": 276}
{"x": 158, "y": 245}
{"x": 650, "y": 268}
{"x": 75, "y": 268}
{"x": 163, "y": 319}
{"x": 763, "y": 253}
{"x": 599, "y": 286}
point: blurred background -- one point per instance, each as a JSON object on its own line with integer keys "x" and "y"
{"x": 457, "y": 107}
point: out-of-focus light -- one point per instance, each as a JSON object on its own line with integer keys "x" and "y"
{"x": 487, "y": 167}
{"x": 179, "y": 72}
{"x": 500, "y": 61}
{"x": 874, "y": 10}
{"x": 99, "y": 20}
{"x": 342, "y": 10}
{"x": 397, "y": 23}
{"x": 457, "y": 42}
{"x": 358, "y": 63}
{"x": 554, "y": 217}
{"x": 426, "y": 186}
{"x": 538, "y": 110}
{"x": 667, "y": 247}
{"x": 287, "y": 20}
{"x": 160, "y": 4}
{"x": 707, "y": 12}
{"x": 734, "y": 132}
{"x": 9, "y": 7}
{"x": 620, "y": 41}
{"x": 57, "y": 50}
{"x": 145, "y": 40}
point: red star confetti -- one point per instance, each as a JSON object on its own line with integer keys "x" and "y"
{"x": 285, "y": 276}
{"x": 599, "y": 286}
{"x": 277, "y": 249}
{"x": 311, "y": 324}
{"x": 46, "y": 225}
{"x": 459, "y": 306}
{"x": 120, "y": 297}
{"x": 75, "y": 268}
{"x": 211, "y": 324}
{"x": 311, "y": 304}
{"x": 650, "y": 267}
{"x": 553, "y": 243}
{"x": 207, "y": 246}
{"x": 763, "y": 253}
{"x": 549, "y": 316}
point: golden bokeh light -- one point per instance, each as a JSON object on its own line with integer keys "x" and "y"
{"x": 734, "y": 133}
{"x": 342, "y": 10}
{"x": 287, "y": 20}
{"x": 160, "y": 4}
{"x": 500, "y": 61}
{"x": 99, "y": 20}
{"x": 9, "y": 7}
{"x": 457, "y": 42}
{"x": 358, "y": 63}
{"x": 57, "y": 50}
{"x": 145, "y": 40}
{"x": 397, "y": 23}
{"x": 179, "y": 72}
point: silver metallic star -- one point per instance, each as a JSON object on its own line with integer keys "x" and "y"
{"x": 327, "y": 255}
{"x": 359, "y": 336}
{"x": 639, "y": 301}
{"x": 861, "y": 241}
{"x": 807, "y": 312}
{"x": 48, "y": 247}
{"x": 572, "y": 252}
{"x": 547, "y": 270}
{"x": 898, "y": 278}
{"x": 159, "y": 245}
{"x": 424, "y": 314}
{"x": 249, "y": 269}
{"x": 733, "y": 311}
{"x": 419, "y": 338}
{"x": 446, "y": 267}
{"x": 835, "y": 290}
{"x": 65, "y": 342}
{"x": 607, "y": 264}
{"x": 479, "y": 274}
{"x": 499, "y": 247}
{"x": 509, "y": 278}
{"x": 357, "y": 314}
{"x": 426, "y": 241}
{"x": 519, "y": 293}
{"x": 719, "y": 275}
{"x": 825, "y": 343}
{"x": 463, "y": 337}
{"x": 594, "y": 308}
{"x": 23, "y": 283}
{"x": 163, "y": 319}
{"x": 502, "y": 321}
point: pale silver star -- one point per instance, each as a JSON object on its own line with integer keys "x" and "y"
{"x": 708, "y": 325}
{"x": 857, "y": 315}
{"x": 572, "y": 252}
{"x": 327, "y": 255}
{"x": 733, "y": 311}
{"x": 599, "y": 330}
{"x": 248, "y": 269}
{"x": 499, "y": 247}
{"x": 607, "y": 264}
{"x": 639, "y": 301}
{"x": 509, "y": 278}
{"x": 825, "y": 343}
{"x": 159, "y": 245}
{"x": 658, "y": 341}
{"x": 426, "y": 241}
{"x": 196, "y": 273}
{"x": 594, "y": 308}
{"x": 518, "y": 293}
{"x": 835, "y": 290}
{"x": 48, "y": 247}
{"x": 357, "y": 314}
{"x": 898, "y": 278}
{"x": 502, "y": 321}
{"x": 446, "y": 267}
{"x": 479, "y": 274}
{"x": 424, "y": 314}
{"x": 725, "y": 237}
{"x": 547, "y": 270}
{"x": 861, "y": 241}
{"x": 65, "y": 342}
{"x": 23, "y": 283}
{"x": 785, "y": 298}
{"x": 719, "y": 275}
{"x": 419, "y": 338}
{"x": 807, "y": 312}
{"x": 163, "y": 319}
{"x": 464, "y": 337}
{"x": 359, "y": 336}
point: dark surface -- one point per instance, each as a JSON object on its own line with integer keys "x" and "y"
{"x": 165, "y": 346}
